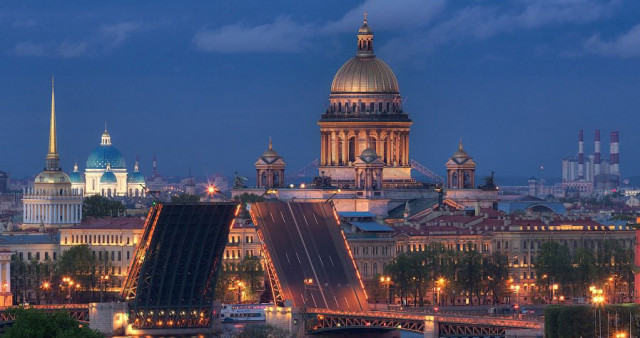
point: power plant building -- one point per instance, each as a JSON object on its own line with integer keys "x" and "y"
{"x": 592, "y": 174}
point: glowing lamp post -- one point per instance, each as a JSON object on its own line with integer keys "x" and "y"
{"x": 46, "y": 286}
{"x": 386, "y": 281}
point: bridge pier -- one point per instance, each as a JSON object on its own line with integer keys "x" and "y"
{"x": 108, "y": 318}
{"x": 431, "y": 327}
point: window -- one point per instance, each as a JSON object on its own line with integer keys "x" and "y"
{"x": 29, "y": 256}
{"x": 119, "y": 256}
{"x": 21, "y": 256}
{"x": 506, "y": 244}
{"x": 113, "y": 255}
{"x": 55, "y": 256}
{"x": 127, "y": 240}
{"x": 127, "y": 254}
{"x": 366, "y": 271}
{"x": 46, "y": 256}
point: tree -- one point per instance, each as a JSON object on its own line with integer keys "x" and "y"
{"x": 250, "y": 270}
{"x": 401, "y": 275}
{"x": 495, "y": 273}
{"x": 553, "y": 264}
{"x": 246, "y": 198}
{"x": 584, "y": 271}
{"x": 79, "y": 263}
{"x": 469, "y": 275}
{"x": 36, "y": 323}
{"x": 185, "y": 199}
{"x": 100, "y": 206}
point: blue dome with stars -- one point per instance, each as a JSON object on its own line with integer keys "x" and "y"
{"x": 135, "y": 177}
{"x": 108, "y": 177}
{"x": 105, "y": 154}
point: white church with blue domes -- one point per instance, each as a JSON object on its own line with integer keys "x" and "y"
{"x": 106, "y": 173}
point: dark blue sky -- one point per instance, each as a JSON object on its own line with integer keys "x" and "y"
{"x": 204, "y": 84}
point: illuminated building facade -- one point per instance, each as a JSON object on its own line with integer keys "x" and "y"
{"x": 270, "y": 169}
{"x": 52, "y": 202}
{"x": 106, "y": 173}
{"x": 365, "y": 112}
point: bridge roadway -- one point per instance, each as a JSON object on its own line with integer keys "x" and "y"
{"x": 303, "y": 240}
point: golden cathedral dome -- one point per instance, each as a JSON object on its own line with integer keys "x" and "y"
{"x": 365, "y": 73}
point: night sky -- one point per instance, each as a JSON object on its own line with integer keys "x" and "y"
{"x": 204, "y": 84}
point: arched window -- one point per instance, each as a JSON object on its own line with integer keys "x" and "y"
{"x": 372, "y": 143}
{"x": 276, "y": 179}
{"x": 466, "y": 181}
{"x": 454, "y": 180}
{"x": 352, "y": 149}
{"x": 263, "y": 179}
{"x": 340, "y": 106}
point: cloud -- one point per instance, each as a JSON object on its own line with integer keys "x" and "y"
{"x": 283, "y": 35}
{"x": 104, "y": 39}
{"x": 626, "y": 45}
{"x": 286, "y": 35}
{"x": 116, "y": 34}
{"x": 483, "y": 21}
{"x": 28, "y": 48}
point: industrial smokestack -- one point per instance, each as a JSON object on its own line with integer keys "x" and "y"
{"x": 580, "y": 155}
{"x": 614, "y": 157}
{"x": 596, "y": 155}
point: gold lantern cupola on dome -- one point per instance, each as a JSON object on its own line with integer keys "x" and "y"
{"x": 365, "y": 73}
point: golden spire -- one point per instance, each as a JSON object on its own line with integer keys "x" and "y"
{"x": 53, "y": 159}
{"x": 270, "y": 145}
{"x": 460, "y": 147}
{"x": 365, "y": 18}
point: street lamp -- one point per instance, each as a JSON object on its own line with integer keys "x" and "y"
{"x": 46, "y": 286}
{"x": 386, "y": 280}
{"x": 554, "y": 288}
{"x": 103, "y": 280}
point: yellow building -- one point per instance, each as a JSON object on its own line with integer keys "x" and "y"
{"x": 113, "y": 242}
{"x": 243, "y": 242}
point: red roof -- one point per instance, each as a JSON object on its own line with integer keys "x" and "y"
{"x": 111, "y": 223}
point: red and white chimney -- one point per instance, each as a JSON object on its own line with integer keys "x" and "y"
{"x": 614, "y": 157}
{"x": 596, "y": 155}
{"x": 580, "y": 155}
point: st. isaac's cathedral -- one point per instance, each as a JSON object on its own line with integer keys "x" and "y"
{"x": 364, "y": 163}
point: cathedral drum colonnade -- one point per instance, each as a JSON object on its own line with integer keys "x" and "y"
{"x": 365, "y": 112}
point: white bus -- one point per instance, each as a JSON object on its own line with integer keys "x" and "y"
{"x": 243, "y": 312}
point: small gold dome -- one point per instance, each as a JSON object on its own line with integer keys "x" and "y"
{"x": 50, "y": 177}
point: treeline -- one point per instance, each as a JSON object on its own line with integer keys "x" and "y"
{"x": 417, "y": 275}
{"x": 610, "y": 267}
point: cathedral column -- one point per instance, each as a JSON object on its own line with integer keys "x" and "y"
{"x": 321, "y": 148}
{"x": 378, "y": 142}
{"x": 406, "y": 147}
{"x": 334, "y": 148}
{"x": 345, "y": 142}
{"x": 398, "y": 147}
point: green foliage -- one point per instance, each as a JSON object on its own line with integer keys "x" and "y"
{"x": 610, "y": 264}
{"x": 29, "y": 275}
{"x": 79, "y": 264}
{"x": 247, "y": 198}
{"x": 99, "y": 206}
{"x": 262, "y": 331}
{"x": 417, "y": 273}
{"x": 185, "y": 199}
{"x": 36, "y": 323}
{"x": 582, "y": 321}
{"x": 551, "y": 325}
